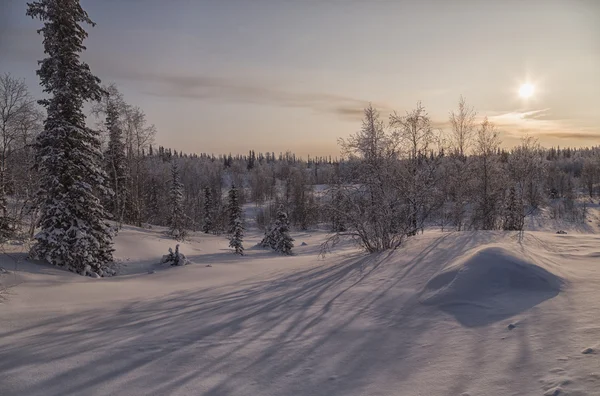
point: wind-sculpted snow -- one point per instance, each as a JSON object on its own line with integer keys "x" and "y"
{"x": 490, "y": 284}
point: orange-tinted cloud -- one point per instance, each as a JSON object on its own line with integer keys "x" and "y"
{"x": 542, "y": 124}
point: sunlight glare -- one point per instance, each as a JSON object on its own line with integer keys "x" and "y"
{"x": 526, "y": 90}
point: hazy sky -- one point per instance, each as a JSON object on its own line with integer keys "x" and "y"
{"x": 272, "y": 75}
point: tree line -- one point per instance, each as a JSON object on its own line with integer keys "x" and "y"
{"x": 70, "y": 186}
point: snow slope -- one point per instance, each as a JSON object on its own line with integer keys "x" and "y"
{"x": 431, "y": 318}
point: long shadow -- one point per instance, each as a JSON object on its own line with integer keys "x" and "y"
{"x": 296, "y": 333}
{"x": 270, "y": 328}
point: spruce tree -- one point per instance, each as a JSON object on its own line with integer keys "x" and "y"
{"x": 278, "y": 237}
{"x": 74, "y": 233}
{"x": 175, "y": 258}
{"x": 208, "y": 211}
{"x": 270, "y": 239}
{"x": 177, "y": 217}
{"x": 153, "y": 212}
{"x": 116, "y": 162}
{"x": 236, "y": 225}
{"x": 283, "y": 241}
{"x": 234, "y": 209}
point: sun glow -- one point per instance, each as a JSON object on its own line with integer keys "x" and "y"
{"x": 526, "y": 90}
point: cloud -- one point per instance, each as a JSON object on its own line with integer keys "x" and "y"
{"x": 20, "y": 44}
{"x": 536, "y": 114}
{"x": 234, "y": 90}
{"x": 521, "y": 118}
{"x": 573, "y": 135}
{"x": 540, "y": 123}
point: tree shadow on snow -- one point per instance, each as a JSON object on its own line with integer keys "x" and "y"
{"x": 293, "y": 334}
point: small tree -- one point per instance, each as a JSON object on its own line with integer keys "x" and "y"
{"x": 463, "y": 126}
{"x": 526, "y": 167}
{"x": 236, "y": 225}
{"x": 236, "y": 238}
{"x": 270, "y": 238}
{"x": 208, "y": 211}
{"x": 177, "y": 219}
{"x": 278, "y": 237}
{"x": 590, "y": 174}
{"x": 153, "y": 208}
{"x": 513, "y": 212}
{"x": 284, "y": 242}
{"x": 175, "y": 258}
{"x": 488, "y": 177}
{"x": 416, "y": 181}
{"x": 369, "y": 218}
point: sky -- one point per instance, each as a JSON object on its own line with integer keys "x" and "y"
{"x": 226, "y": 76}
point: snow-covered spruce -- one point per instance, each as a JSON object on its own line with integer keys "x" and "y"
{"x": 268, "y": 240}
{"x": 208, "y": 223}
{"x": 74, "y": 233}
{"x": 177, "y": 218}
{"x": 278, "y": 237}
{"x": 175, "y": 258}
{"x": 236, "y": 224}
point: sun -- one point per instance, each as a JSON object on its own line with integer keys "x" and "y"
{"x": 526, "y": 90}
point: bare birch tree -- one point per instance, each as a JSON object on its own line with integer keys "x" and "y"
{"x": 18, "y": 114}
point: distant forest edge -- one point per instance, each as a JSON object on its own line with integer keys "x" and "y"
{"x": 392, "y": 178}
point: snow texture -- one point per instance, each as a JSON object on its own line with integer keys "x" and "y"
{"x": 488, "y": 283}
{"x": 429, "y": 318}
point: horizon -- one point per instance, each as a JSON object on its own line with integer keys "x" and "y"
{"x": 199, "y": 70}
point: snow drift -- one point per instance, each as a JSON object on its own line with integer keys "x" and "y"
{"x": 489, "y": 284}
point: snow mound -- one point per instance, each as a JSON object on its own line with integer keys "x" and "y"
{"x": 490, "y": 284}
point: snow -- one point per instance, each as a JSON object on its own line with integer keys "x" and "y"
{"x": 431, "y": 318}
{"x": 490, "y": 283}
{"x": 543, "y": 221}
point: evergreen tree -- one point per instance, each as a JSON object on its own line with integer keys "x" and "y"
{"x": 208, "y": 211}
{"x": 175, "y": 258}
{"x": 512, "y": 212}
{"x": 284, "y": 242}
{"x": 153, "y": 212}
{"x": 116, "y": 162}
{"x": 73, "y": 232}
{"x": 271, "y": 237}
{"x": 234, "y": 209}
{"x": 236, "y": 225}
{"x": 177, "y": 217}
{"x": 237, "y": 237}
{"x": 278, "y": 237}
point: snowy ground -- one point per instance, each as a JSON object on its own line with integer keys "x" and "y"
{"x": 429, "y": 319}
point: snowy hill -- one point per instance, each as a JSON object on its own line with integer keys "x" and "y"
{"x": 454, "y": 313}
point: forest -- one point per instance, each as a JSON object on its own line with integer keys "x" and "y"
{"x": 393, "y": 176}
